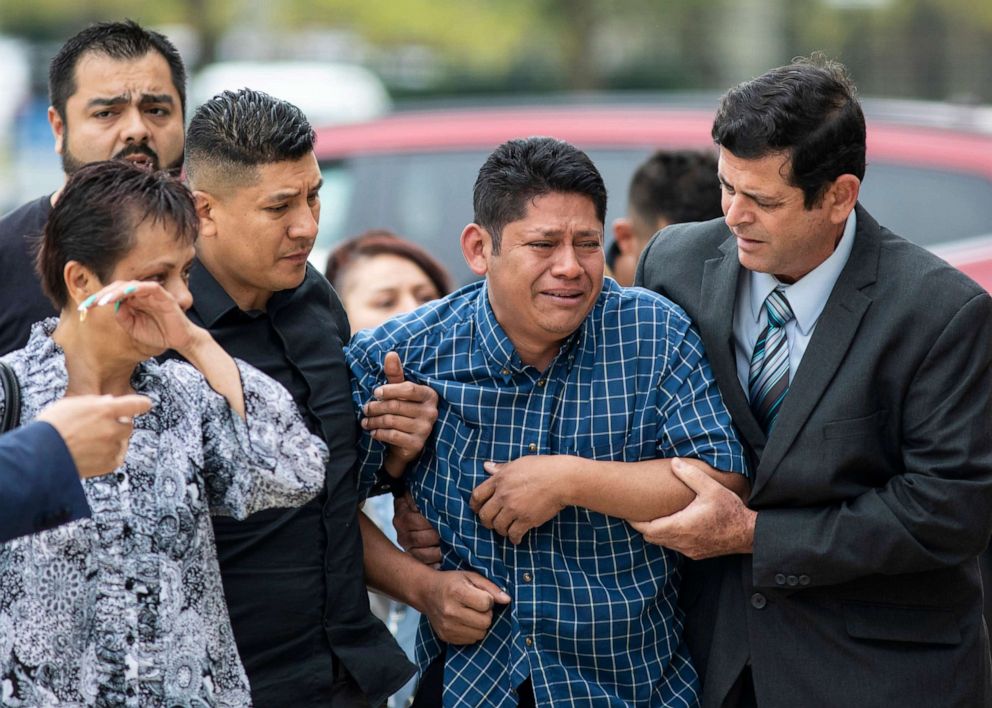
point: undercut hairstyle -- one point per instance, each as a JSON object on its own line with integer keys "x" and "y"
{"x": 676, "y": 186}
{"x": 380, "y": 242}
{"x": 95, "y": 220}
{"x": 236, "y": 131}
{"x": 808, "y": 111}
{"x": 117, "y": 40}
{"x": 519, "y": 171}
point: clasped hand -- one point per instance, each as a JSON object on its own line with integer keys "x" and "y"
{"x": 402, "y": 416}
{"x": 715, "y": 523}
{"x": 522, "y": 494}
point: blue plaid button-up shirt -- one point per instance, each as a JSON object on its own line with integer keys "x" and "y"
{"x": 594, "y": 620}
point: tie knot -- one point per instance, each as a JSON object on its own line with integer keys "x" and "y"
{"x": 777, "y": 308}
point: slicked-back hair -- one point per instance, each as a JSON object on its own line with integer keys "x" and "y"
{"x": 807, "y": 110}
{"x": 520, "y": 170}
{"x": 117, "y": 40}
{"x": 677, "y": 186}
{"x": 240, "y": 130}
{"x": 382, "y": 242}
{"x": 95, "y": 220}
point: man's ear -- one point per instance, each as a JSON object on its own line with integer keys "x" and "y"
{"x": 623, "y": 234}
{"x": 205, "y": 205}
{"x": 58, "y": 129}
{"x": 80, "y": 282}
{"x": 842, "y": 196}
{"x": 476, "y": 248}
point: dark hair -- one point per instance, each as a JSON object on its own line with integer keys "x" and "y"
{"x": 96, "y": 216}
{"x": 377, "y": 242}
{"x": 520, "y": 170}
{"x": 677, "y": 186}
{"x": 117, "y": 40}
{"x": 809, "y": 110}
{"x": 239, "y": 130}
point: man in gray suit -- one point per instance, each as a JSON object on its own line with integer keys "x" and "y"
{"x": 857, "y": 368}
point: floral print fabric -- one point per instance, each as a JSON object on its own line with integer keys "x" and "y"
{"x": 126, "y": 608}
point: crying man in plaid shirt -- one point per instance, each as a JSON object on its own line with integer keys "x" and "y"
{"x": 563, "y": 400}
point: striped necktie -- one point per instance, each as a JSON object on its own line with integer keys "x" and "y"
{"x": 768, "y": 378}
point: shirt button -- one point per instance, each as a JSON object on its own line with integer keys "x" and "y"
{"x": 792, "y": 580}
{"x": 758, "y": 601}
{"x": 804, "y": 580}
{"x": 528, "y": 577}
{"x": 505, "y": 372}
{"x": 541, "y": 382}
{"x": 532, "y": 447}
{"x": 780, "y": 579}
{"x": 529, "y": 642}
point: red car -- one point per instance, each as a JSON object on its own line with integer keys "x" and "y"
{"x": 413, "y": 172}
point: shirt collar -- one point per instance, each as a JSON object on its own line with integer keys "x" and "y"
{"x": 211, "y": 301}
{"x": 504, "y": 361}
{"x": 493, "y": 340}
{"x": 808, "y": 295}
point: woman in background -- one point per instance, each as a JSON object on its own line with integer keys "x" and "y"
{"x": 379, "y": 275}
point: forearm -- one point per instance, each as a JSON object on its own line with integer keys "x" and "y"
{"x": 637, "y": 491}
{"x": 391, "y": 571}
{"x": 217, "y": 367}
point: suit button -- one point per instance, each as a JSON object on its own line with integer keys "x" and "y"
{"x": 780, "y": 579}
{"x": 758, "y": 601}
{"x": 804, "y": 580}
{"x": 792, "y": 580}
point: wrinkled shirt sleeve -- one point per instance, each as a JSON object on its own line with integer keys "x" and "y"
{"x": 366, "y": 374}
{"x": 268, "y": 459}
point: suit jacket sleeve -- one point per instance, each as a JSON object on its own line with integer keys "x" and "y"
{"x": 938, "y": 511}
{"x": 39, "y": 483}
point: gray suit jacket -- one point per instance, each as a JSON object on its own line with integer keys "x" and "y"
{"x": 873, "y": 492}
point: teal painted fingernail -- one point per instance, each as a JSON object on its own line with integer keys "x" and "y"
{"x": 130, "y": 289}
{"x": 87, "y": 302}
{"x": 117, "y": 306}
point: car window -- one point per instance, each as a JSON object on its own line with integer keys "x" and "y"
{"x": 928, "y": 206}
{"x": 427, "y": 197}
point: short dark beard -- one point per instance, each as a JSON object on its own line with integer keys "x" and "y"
{"x": 71, "y": 164}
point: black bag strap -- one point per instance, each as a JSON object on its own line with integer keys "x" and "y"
{"x": 12, "y": 399}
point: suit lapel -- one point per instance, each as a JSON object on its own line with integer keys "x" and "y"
{"x": 835, "y": 329}
{"x": 716, "y": 314}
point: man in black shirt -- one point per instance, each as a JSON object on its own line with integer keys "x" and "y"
{"x": 294, "y": 578}
{"x": 117, "y": 91}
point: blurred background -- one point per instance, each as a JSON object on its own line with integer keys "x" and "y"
{"x": 921, "y": 62}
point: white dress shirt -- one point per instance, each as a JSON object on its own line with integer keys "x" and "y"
{"x": 807, "y": 297}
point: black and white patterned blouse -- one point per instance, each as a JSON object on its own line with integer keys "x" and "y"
{"x": 126, "y": 608}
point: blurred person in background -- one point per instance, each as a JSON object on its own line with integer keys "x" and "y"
{"x": 127, "y": 608}
{"x": 117, "y": 91}
{"x": 379, "y": 275}
{"x": 42, "y": 463}
{"x": 670, "y": 187}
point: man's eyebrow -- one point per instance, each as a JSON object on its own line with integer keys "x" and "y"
{"x": 156, "y": 98}
{"x": 125, "y": 98}
{"x": 751, "y": 195}
{"x": 287, "y": 193}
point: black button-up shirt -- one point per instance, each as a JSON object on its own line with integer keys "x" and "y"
{"x": 293, "y": 578}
